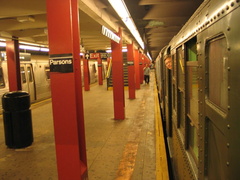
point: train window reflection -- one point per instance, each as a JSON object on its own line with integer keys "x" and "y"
{"x": 29, "y": 74}
{"x": 193, "y": 140}
{"x": 180, "y": 68}
{"x": 47, "y": 71}
{"x": 192, "y": 97}
{"x": 2, "y": 84}
{"x": 217, "y": 72}
{"x": 192, "y": 93}
{"x": 23, "y": 76}
{"x": 180, "y": 89}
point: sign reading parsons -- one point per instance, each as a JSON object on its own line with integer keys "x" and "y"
{"x": 61, "y": 63}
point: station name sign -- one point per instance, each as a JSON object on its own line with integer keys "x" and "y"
{"x": 61, "y": 63}
{"x": 110, "y": 34}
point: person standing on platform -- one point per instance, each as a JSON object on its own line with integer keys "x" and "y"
{"x": 146, "y": 72}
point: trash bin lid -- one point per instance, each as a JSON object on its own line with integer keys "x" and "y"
{"x": 15, "y": 94}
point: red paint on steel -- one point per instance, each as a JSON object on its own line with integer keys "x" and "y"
{"x": 118, "y": 82}
{"x": 13, "y": 64}
{"x": 100, "y": 77}
{"x": 141, "y": 65}
{"x": 131, "y": 72}
{"x": 86, "y": 75}
{"x": 63, "y": 33}
{"x": 137, "y": 69}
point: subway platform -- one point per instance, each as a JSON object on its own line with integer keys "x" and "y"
{"x": 116, "y": 149}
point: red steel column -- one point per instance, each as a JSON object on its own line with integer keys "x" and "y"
{"x": 86, "y": 74}
{"x": 66, "y": 86}
{"x": 117, "y": 75}
{"x": 137, "y": 67}
{"x": 141, "y": 63}
{"x": 100, "y": 77}
{"x": 13, "y": 64}
{"x": 131, "y": 72}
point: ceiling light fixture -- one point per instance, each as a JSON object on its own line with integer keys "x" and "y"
{"x": 23, "y": 19}
{"x": 120, "y": 7}
{"x": 2, "y": 44}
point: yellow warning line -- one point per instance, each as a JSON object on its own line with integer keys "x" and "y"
{"x": 40, "y": 102}
{"x": 161, "y": 157}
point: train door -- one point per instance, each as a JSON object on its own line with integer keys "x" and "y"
{"x": 28, "y": 83}
{"x": 216, "y": 108}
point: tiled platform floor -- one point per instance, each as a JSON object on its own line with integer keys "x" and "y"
{"x": 116, "y": 149}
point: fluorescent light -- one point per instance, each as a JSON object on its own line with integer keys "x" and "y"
{"x": 109, "y": 50}
{"x": 44, "y": 49}
{"x": 149, "y": 56}
{"x": 2, "y": 44}
{"x": 22, "y": 19}
{"x": 33, "y": 48}
{"x": 28, "y": 46}
{"x": 120, "y": 7}
{"x": 124, "y": 50}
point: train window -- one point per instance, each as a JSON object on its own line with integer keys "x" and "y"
{"x": 192, "y": 140}
{"x": 217, "y": 72}
{"x": 192, "y": 81}
{"x": 192, "y": 93}
{"x": 192, "y": 107}
{"x": 47, "y": 71}
{"x": 192, "y": 96}
{"x": 2, "y": 83}
{"x": 180, "y": 68}
{"x": 173, "y": 66}
{"x": 23, "y": 76}
{"x": 180, "y": 89}
{"x": 191, "y": 50}
{"x": 174, "y": 100}
{"x": 29, "y": 74}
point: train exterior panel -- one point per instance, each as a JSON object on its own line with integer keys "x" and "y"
{"x": 201, "y": 96}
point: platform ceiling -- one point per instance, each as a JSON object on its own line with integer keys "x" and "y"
{"x": 157, "y": 21}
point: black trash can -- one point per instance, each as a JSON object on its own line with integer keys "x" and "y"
{"x": 17, "y": 119}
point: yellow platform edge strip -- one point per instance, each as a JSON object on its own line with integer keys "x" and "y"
{"x": 161, "y": 157}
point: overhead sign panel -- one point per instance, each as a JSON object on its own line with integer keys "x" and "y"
{"x": 110, "y": 34}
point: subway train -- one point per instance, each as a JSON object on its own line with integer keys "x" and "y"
{"x": 35, "y": 75}
{"x": 199, "y": 93}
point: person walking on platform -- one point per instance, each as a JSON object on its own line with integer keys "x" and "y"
{"x": 146, "y": 72}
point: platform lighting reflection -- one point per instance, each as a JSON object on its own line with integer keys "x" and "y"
{"x": 123, "y": 50}
{"x": 149, "y": 56}
{"x": 28, "y": 47}
{"x": 120, "y": 7}
{"x": 2, "y": 44}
